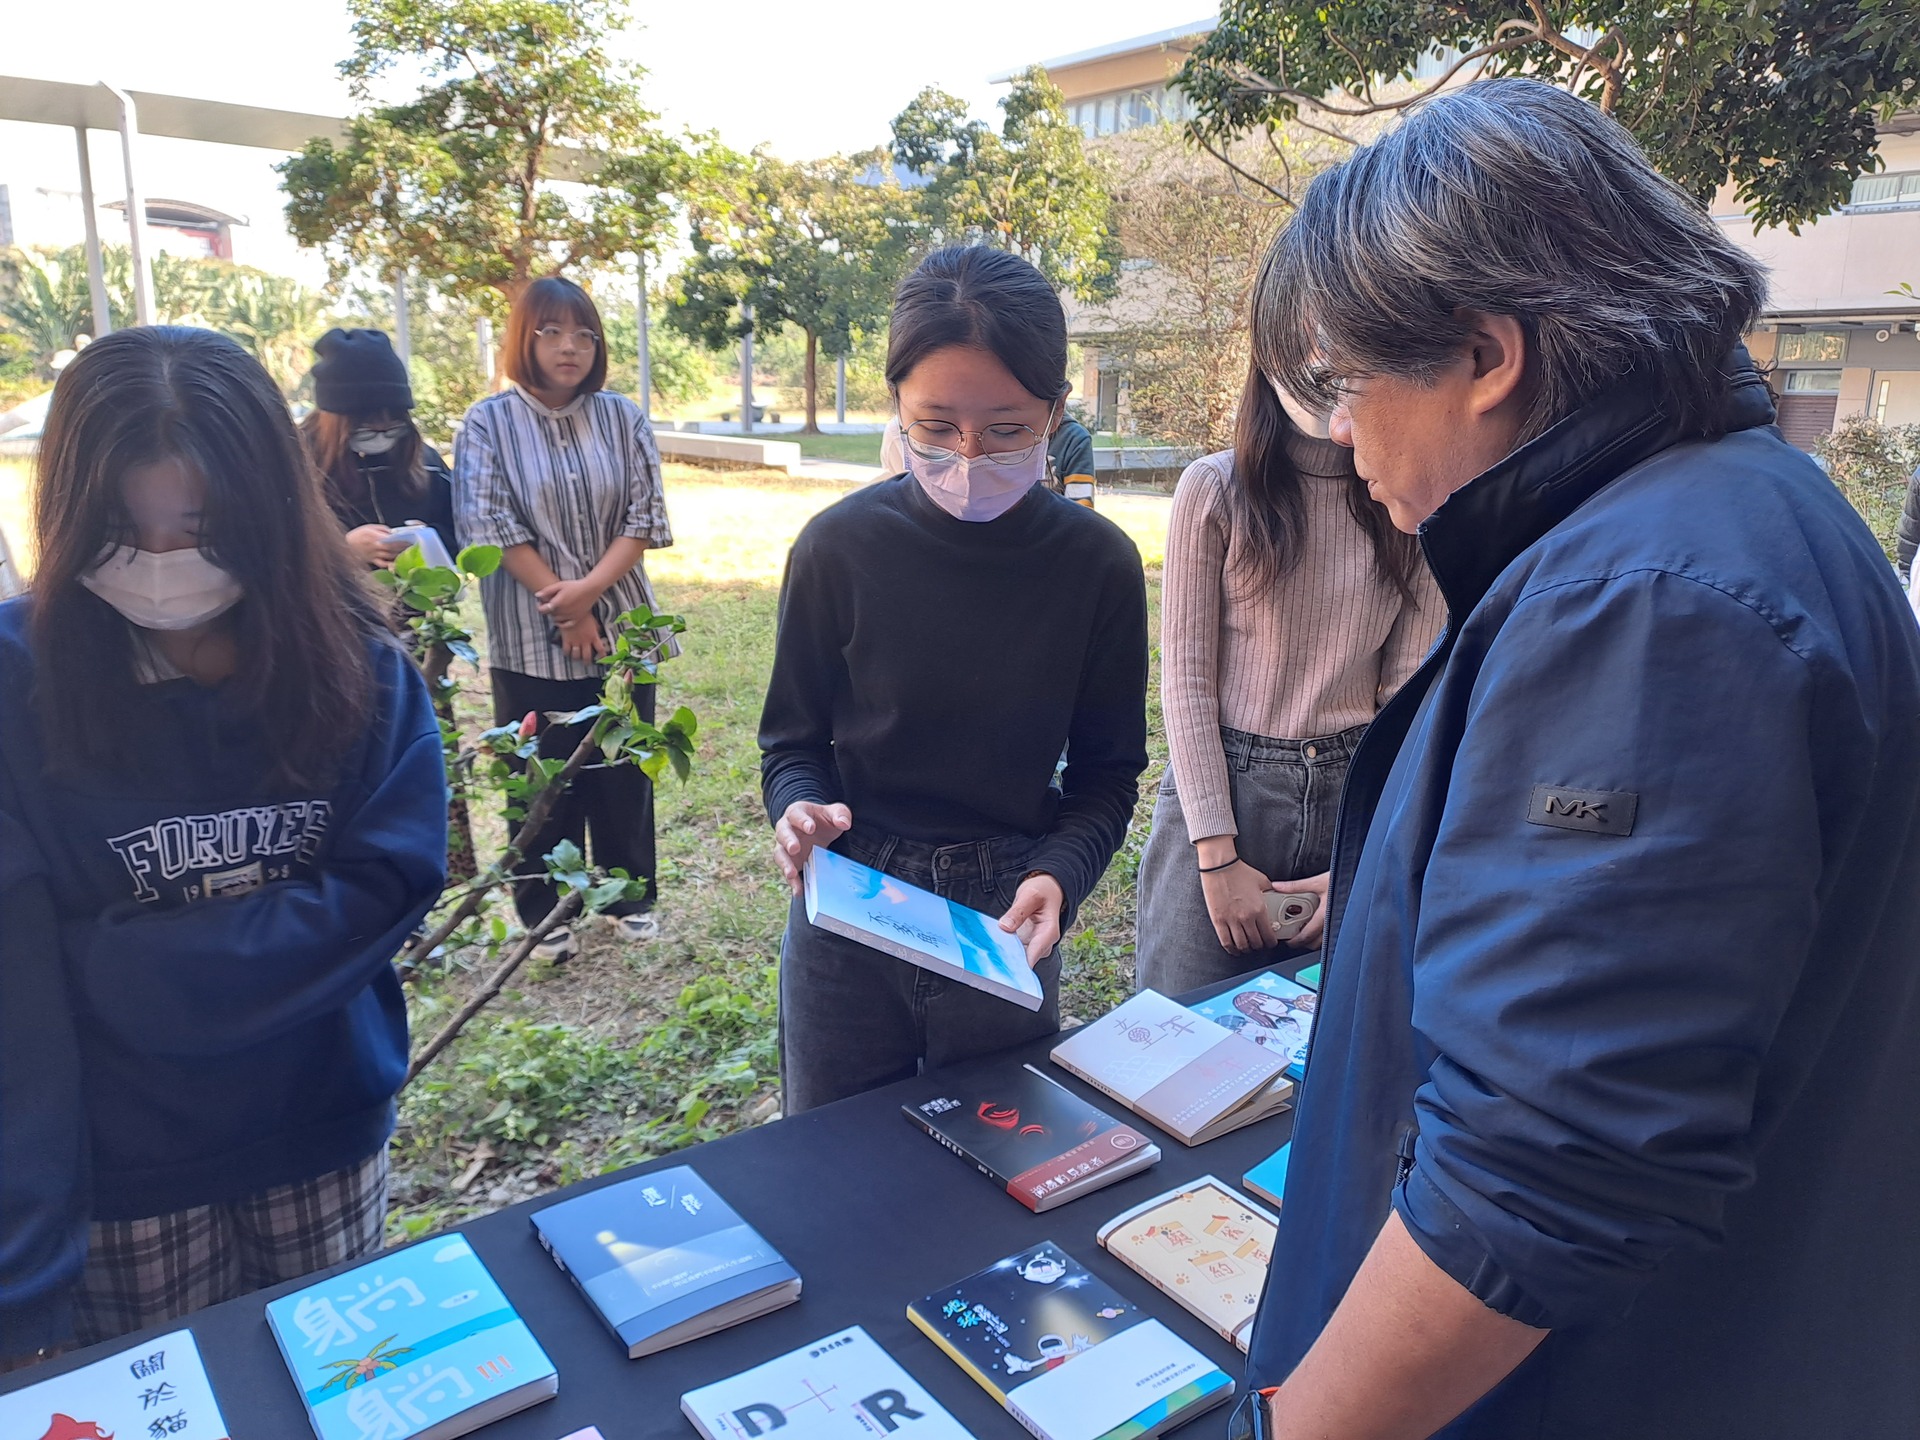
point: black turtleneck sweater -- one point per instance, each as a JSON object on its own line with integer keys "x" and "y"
{"x": 930, "y": 671}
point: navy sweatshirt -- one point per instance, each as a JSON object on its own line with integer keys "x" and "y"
{"x": 197, "y": 999}
{"x": 929, "y": 671}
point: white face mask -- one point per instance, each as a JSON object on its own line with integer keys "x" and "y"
{"x": 372, "y": 442}
{"x": 164, "y": 590}
{"x": 981, "y": 488}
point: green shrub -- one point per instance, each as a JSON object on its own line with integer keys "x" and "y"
{"x": 1871, "y": 463}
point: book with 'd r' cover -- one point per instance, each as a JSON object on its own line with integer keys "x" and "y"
{"x": 1189, "y": 1076}
{"x": 840, "y": 1387}
{"x": 1032, "y": 1136}
{"x": 1269, "y": 1010}
{"x": 1067, "y": 1355}
{"x": 918, "y": 926}
{"x": 417, "y": 1344}
{"x": 663, "y": 1259}
{"x": 1204, "y": 1245}
{"x": 157, "y": 1388}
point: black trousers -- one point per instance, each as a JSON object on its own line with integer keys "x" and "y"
{"x": 614, "y": 804}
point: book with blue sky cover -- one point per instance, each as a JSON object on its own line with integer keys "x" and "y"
{"x": 1268, "y": 1179}
{"x": 155, "y": 1388}
{"x": 1269, "y": 1011}
{"x": 418, "y": 1344}
{"x": 919, "y": 927}
{"x": 1066, "y": 1354}
{"x": 839, "y": 1387}
{"x": 663, "y": 1259}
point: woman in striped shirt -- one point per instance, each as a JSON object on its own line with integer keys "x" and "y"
{"x": 564, "y": 477}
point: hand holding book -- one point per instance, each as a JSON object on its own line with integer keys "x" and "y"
{"x": 803, "y": 825}
{"x": 1035, "y": 913}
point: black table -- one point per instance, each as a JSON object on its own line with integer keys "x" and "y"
{"x": 872, "y": 1212}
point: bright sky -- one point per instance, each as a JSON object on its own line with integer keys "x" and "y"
{"x": 809, "y": 79}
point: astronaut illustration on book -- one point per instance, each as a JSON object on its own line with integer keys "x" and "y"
{"x": 1055, "y": 1350}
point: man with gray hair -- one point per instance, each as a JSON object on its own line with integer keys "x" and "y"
{"x": 1612, "y": 1125}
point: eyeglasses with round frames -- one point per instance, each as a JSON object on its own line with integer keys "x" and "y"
{"x": 553, "y": 334}
{"x": 1006, "y": 444}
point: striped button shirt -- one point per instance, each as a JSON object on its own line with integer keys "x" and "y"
{"x": 567, "y": 482}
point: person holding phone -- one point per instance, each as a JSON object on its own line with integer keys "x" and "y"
{"x": 380, "y": 474}
{"x": 944, "y": 636}
{"x": 1292, "y": 611}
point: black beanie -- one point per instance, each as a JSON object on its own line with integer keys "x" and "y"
{"x": 358, "y": 373}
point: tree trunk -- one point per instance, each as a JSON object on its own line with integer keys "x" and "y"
{"x": 812, "y": 426}
{"x": 462, "y": 864}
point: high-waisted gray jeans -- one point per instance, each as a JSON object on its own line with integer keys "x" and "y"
{"x": 1285, "y": 794}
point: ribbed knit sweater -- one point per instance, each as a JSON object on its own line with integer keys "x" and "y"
{"x": 1316, "y": 654}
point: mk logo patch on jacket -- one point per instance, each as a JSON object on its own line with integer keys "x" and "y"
{"x": 1598, "y": 812}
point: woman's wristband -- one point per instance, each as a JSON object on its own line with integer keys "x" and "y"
{"x": 1216, "y": 869}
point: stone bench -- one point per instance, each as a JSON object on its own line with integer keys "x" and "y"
{"x": 733, "y": 452}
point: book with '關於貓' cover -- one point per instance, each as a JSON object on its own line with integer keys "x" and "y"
{"x": 155, "y": 1388}
{"x": 1032, "y": 1136}
{"x": 918, "y": 926}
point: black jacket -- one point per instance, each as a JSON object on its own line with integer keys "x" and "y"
{"x": 1623, "y": 991}
{"x": 385, "y": 500}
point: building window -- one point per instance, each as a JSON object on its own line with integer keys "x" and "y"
{"x": 1813, "y": 382}
{"x": 1814, "y": 345}
{"x": 1902, "y": 188}
{"x": 1104, "y": 124}
{"x": 1880, "y": 408}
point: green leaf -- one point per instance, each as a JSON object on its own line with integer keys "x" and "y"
{"x": 684, "y": 721}
{"x": 408, "y": 562}
{"x": 479, "y": 560}
{"x": 682, "y": 766}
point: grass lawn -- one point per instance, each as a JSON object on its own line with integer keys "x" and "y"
{"x": 850, "y": 449}
{"x": 630, "y": 1051}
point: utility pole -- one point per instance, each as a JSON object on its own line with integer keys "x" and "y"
{"x": 746, "y": 369}
{"x": 840, "y": 389}
{"x": 645, "y": 397}
{"x": 402, "y": 330}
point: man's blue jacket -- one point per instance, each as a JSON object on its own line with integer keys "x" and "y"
{"x": 1622, "y": 1004}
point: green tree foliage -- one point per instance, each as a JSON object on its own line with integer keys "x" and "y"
{"x": 817, "y": 244}
{"x": 443, "y": 333}
{"x": 1180, "y": 337}
{"x": 1033, "y": 188}
{"x": 45, "y": 301}
{"x": 458, "y": 182}
{"x": 684, "y": 372}
{"x": 1778, "y": 96}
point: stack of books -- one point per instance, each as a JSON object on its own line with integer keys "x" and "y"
{"x": 663, "y": 1259}
{"x": 1193, "y": 1078}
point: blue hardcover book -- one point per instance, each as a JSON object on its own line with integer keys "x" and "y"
{"x": 919, "y": 927}
{"x": 1269, "y": 1011}
{"x": 663, "y": 1259}
{"x": 418, "y": 1344}
{"x": 1310, "y": 977}
{"x": 1268, "y": 1179}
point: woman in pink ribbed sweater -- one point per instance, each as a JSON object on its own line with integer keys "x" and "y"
{"x": 1291, "y": 610}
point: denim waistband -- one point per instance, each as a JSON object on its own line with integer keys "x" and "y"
{"x": 1243, "y": 749}
{"x": 921, "y": 862}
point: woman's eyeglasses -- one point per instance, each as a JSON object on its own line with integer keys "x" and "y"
{"x": 553, "y": 334}
{"x": 1003, "y": 444}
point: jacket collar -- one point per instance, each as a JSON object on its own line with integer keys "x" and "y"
{"x": 1483, "y": 526}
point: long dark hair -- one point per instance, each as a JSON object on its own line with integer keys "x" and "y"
{"x": 982, "y": 299}
{"x": 302, "y": 628}
{"x": 1265, "y": 502}
{"x": 325, "y": 433}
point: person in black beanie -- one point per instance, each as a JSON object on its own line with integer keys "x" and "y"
{"x": 379, "y": 472}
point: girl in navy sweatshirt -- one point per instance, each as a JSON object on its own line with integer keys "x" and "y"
{"x": 222, "y": 810}
{"x": 944, "y": 637}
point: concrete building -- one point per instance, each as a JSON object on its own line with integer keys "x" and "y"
{"x": 1837, "y": 337}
